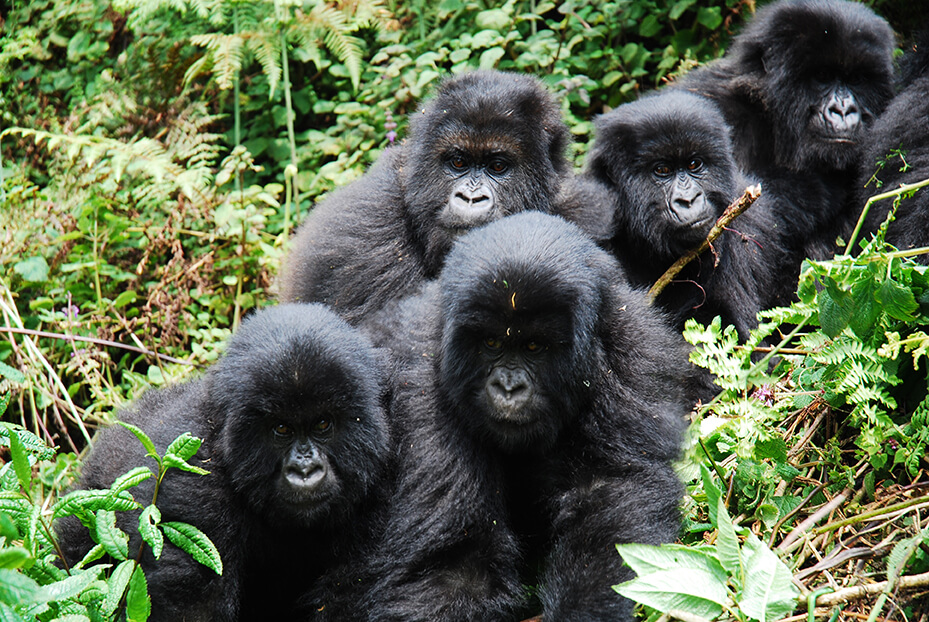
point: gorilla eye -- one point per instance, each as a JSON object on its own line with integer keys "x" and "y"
{"x": 322, "y": 426}
{"x": 662, "y": 170}
{"x": 457, "y": 162}
{"x": 498, "y": 166}
{"x": 534, "y": 347}
{"x": 493, "y": 343}
{"x": 695, "y": 164}
{"x": 281, "y": 429}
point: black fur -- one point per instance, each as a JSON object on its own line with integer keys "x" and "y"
{"x": 260, "y": 412}
{"x": 489, "y": 144}
{"x": 801, "y": 87}
{"x": 903, "y": 126}
{"x": 668, "y": 162}
{"x": 538, "y": 403}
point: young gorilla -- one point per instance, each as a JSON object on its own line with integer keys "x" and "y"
{"x": 800, "y": 87}
{"x": 295, "y": 439}
{"x": 668, "y": 161}
{"x": 539, "y": 403}
{"x": 904, "y": 126}
{"x": 489, "y": 144}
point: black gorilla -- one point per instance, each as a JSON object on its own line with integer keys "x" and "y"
{"x": 668, "y": 160}
{"x": 295, "y": 439}
{"x": 903, "y": 126}
{"x": 489, "y": 144}
{"x": 800, "y": 87}
{"x": 538, "y": 403}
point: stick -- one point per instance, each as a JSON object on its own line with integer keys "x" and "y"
{"x": 735, "y": 208}
{"x": 94, "y": 340}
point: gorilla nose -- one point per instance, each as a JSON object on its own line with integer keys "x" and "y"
{"x": 508, "y": 391}
{"x": 476, "y": 199}
{"x": 689, "y": 207}
{"x": 843, "y": 113}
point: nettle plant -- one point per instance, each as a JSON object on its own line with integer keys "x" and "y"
{"x": 35, "y": 581}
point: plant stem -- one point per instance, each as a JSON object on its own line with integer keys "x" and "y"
{"x": 880, "y": 197}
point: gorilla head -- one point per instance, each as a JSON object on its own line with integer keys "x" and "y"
{"x": 304, "y": 434}
{"x": 820, "y": 71}
{"x": 489, "y": 144}
{"x": 669, "y": 160}
{"x": 520, "y": 342}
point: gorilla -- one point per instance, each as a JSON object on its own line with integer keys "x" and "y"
{"x": 295, "y": 438}
{"x": 903, "y": 126}
{"x": 489, "y": 144}
{"x": 538, "y": 403}
{"x": 667, "y": 159}
{"x": 800, "y": 87}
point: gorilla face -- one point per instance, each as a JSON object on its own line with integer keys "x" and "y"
{"x": 671, "y": 166}
{"x": 303, "y": 432}
{"x": 519, "y": 338}
{"x": 824, "y": 70}
{"x": 488, "y": 145}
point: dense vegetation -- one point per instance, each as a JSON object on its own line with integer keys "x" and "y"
{"x": 157, "y": 155}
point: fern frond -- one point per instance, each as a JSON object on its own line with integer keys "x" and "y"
{"x": 267, "y": 50}
{"x": 335, "y": 27}
{"x": 225, "y": 54}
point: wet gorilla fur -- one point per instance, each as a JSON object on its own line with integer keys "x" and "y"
{"x": 538, "y": 405}
{"x": 487, "y": 145}
{"x": 295, "y": 439}
{"x": 667, "y": 160}
{"x": 903, "y": 126}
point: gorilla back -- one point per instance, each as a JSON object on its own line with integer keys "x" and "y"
{"x": 295, "y": 439}
{"x": 489, "y": 144}
{"x": 538, "y": 402}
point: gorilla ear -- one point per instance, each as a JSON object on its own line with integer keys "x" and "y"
{"x": 614, "y": 139}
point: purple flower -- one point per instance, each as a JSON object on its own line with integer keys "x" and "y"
{"x": 391, "y": 136}
{"x": 765, "y": 394}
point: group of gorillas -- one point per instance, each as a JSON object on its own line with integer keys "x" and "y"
{"x": 464, "y": 391}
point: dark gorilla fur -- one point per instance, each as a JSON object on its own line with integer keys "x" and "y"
{"x": 538, "y": 405}
{"x": 295, "y": 439}
{"x": 487, "y": 145}
{"x": 904, "y": 126}
{"x": 801, "y": 87}
{"x": 668, "y": 161}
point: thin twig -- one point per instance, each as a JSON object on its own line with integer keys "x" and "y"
{"x": 94, "y": 340}
{"x": 858, "y": 518}
{"x": 863, "y": 591}
{"x": 735, "y": 208}
{"x": 811, "y": 520}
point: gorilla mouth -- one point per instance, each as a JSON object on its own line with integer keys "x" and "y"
{"x": 303, "y": 484}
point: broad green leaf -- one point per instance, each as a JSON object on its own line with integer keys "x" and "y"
{"x": 8, "y": 528}
{"x": 495, "y": 19}
{"x": 20, "y": 462}
{"x": 867, "y": 310}
{"x": 711, "y": 17}
{"x": 144, "y": 439}
{"x": 712, "y": 493}
{"x": 148, "y": 528}
{"x": 679, "y": 7}
{"x": 835, "y": 308}
{"x": 118, "y": 582}
{"x": 127, "y": 297}
{"x": 645, "y": 559}
{"x": 93, "y": 500}
{"x": 73, "y": 585}
{"x": 138, "y": 603}
{"x": 650, "y": 26}
{"x": 30, "y": 442}
{"x": 14, "y": 557}
{"x": 111, "y": 537}
{"x": 687, "y": 589}
{"x": 768, "y": 593}
{"x": 184, "y": 446}
{"x": 896, "y": 300}
{"x": 12, "y": 373}
{"x": 18, "y": 589}
{"x": 33, "y": 269}
{"x": 175, "y": 461}
{"x": 8, "y": 614}
{"x": 727, "y": 544}
{"x": 193, "y": 541}
{"x": 93, "y": 555}
{"x": 489, "y": 58}
{"x": 133, "y": 478}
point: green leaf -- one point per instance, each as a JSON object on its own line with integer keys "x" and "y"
{"x": 490, "y": 57}
{"x": 125, "y": 298}
{"x": 4, "y": 402}
{"x": 138, "y": 603}
{"x": 33, "y": 269}
{"x": 148, "y": 529}
{"x": 835, "y": 308}
{"x": 897, "y": 301}
{"x": 18, "y": 589}
{"x": 117, "y": 584}
{"x": 133, "y": 478}
{"x": 144, "y": 439}
{"x": 768, "y": 593}
{"x": 20, "y": 462}
{"x": 72, "y": 585}
{"x": 695, "y": 591}
{"x": 174, "y": 461}
{"x": 494, "y": 19}
{"x": 645, "y": 559}
{"x": 14, "y": 557}
{"x": 91, "y": 501}
{"x": 184, "y": 446}
{"x": 712, "y": 493}
{"x": 193, "y": 541}
{"x": 8, "y": 614}
{"x": 650, "y": 26}
{"x": 12, "y": 373}
{"x": 679, "y": 7}
{"x": 727, "y": 545}
{"x": 111, "y": 537}
{"x": 710, "y": 16}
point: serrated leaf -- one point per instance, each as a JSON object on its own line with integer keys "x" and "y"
{"x": 17, "y": 588}
{"x": 175, "y": 461}
{"x": 193, "y": 541}
{"x": 93, "y": 500}
{"x": 144, "y": 439}
{"x": 184, "y": 446}
{"x": 727, "y": 544}
{"x": 835, "y": 308}
{"x": 93, "y": 555}
{"x": 8, "y": 614}
{"x": 138, "y": 603}
{"x": 896, "y": 300}
{"x": 73, "y": 585}
{"x": 687, "y": 589}
{"x": 14, "y": 557}
{"x": 116, "y": 586}
{"x": 132, "y": 478}
{"x": 769, "y": 592}
{"x": 20, "y": 462}
{"x": 111, "y": 537}
{"x": 12, "y": 373}
{"x": 148, "y": 529}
